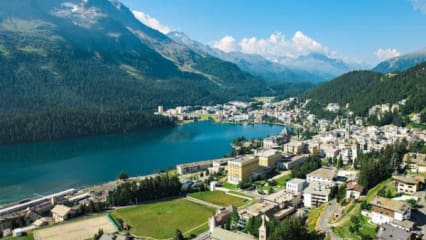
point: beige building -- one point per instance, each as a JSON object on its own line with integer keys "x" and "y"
{"x": 60, "y": 213}
{"x": 269, "y": 158}
{"x": 408, "y": 185}
{"x": 240, "y": 169}
{"x": 313, "y": 148}
{"x": 294, "y": 147}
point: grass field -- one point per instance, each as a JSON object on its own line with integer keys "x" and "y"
{"x": 314, "y": 216}
{"x": 283, "y": 180}
{"x": 219, "y": 198}
{"x": 76, "y": 229}
{"x": 372, "y": 193}
{"x": 205, "y": 117}
{"x": 230, "y": 186}
{"x": 160, "y": 220}
{"x": 26, "y": 237}
{"x": 367, "y": 229}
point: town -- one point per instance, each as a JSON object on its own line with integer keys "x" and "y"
{"x": 339, "y": 178}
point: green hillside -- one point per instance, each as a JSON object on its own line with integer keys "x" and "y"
{"x": 363, "y": 89}
{"x": 98, "y": 70}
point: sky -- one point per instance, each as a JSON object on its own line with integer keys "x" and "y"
{"x": 364, "y": 31}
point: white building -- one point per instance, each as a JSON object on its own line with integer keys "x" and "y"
{"x": 316, "y": 194}
{"x": 385, "y": 210}
{"x": 296, "y": 185}
{"x": 321, "y": 175}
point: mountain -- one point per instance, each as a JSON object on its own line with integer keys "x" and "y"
{"x": 313, "y": 68}
{"x": 401, "y": 63}
{"x": 363, "y": 89}
{"x": 86, "y": 67}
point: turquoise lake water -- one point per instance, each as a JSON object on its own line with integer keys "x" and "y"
{"x": 30, "y": 170}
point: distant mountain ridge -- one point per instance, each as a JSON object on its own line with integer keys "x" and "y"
{"x": 401, "y": 63}
{"x": 313, "y": 68}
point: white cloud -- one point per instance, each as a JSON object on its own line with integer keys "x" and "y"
{"x": 274, "y": 47}
{"x": 383, "y": 54}
{"x": 419, "y": 5}
{"x": 226, "y": 44}
{"x": 151, "y": 22}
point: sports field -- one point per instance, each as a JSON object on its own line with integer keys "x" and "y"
{"x": 160, "y": 220}
{"x": 219, "y": 198}
{"x": 76, "y": 229}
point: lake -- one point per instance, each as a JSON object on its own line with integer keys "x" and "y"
{"x": 31, "y": 170}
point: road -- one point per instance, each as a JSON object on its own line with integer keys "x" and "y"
{"x": 323, "y": 225}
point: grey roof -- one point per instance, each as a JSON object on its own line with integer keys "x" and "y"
{"x": 297, "y": 181}
{"x": 389, "y": 232}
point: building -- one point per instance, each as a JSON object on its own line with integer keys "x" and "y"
{"x": 160, "y": 109}
{"x": 263, "y": 229}
{"x": 389, "y": 232}
{"x": 290, "y": 162}
{"x": 261, "y": 173}
{"x": 385, "y": 210}
{"x": 409, "y": 185}
{"x": 313, "y": 149}
{"x": 269, "y": 158}
{"x": 60, "y": 213}
{"x": 316, "y": 194}
{"x": 321, "y": 175}
{"x": 296, "y": 185}
{"x": 353, "y": 190}
{"x": 221, "y": 216}
{"x": 275, "y": 141}
{"x": 283, "y": 199}
{"x": 265, "y": 207}
{"x": 193, "y": 167}
{"x": 240, "y": 169}
{"x": 294, "y": 147}
{"x": 416, "y": 162}
{"x": 218, "y": 233}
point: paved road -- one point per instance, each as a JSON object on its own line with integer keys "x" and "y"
{"x": 323, "y": 225}
{"x": 195, "y": 200}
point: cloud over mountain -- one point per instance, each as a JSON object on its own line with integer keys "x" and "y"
{"x": 226, "y": 44}
{"x": 274, "y": 47}
{"x": 151, "y": 22}
{"x": 383, "y": 54}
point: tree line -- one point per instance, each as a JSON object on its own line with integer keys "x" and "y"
{"x": 60, "y": 124}
{"x": 310, "y": 164}
{"x": 148, "y": 189}
{"x": 377, "y": 166}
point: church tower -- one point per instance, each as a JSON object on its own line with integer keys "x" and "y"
{"x": 263, "y": 229}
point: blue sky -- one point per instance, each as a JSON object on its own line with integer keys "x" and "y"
{"x": 353, "y": 30}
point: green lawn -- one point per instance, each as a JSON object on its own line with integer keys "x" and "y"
{"x": 314, "y": 216}
{"x": 230, "y": 186}
{"x": 205, "y": 117}
{"x": 219, "y": 198}
{"x": 367, "y": 229}
{"x": 372, "y": 193}
{"x": 283, "y": 180}
{"x": 27, "y": 237}
{"x": 160, "y": 220}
